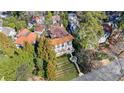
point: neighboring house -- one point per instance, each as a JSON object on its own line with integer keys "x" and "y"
{"x": 10, "y": 32}
{"x": 23, "y": 32}
{"x": 25, "y": 36}
{"x": 39, "y": 29}
{"x": 4, "y": 14}
{"x": 61, "y": 40}
{"x": 72, "y": 17}
{"x": 73, "y": 23}
{"x": 38, "y": 19}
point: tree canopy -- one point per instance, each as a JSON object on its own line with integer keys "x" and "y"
{"x": 14, "y": 22}
{"x": 91, "y": 28}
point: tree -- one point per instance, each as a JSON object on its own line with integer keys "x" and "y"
{"x": 40, "y": 47}
{"x": 15, "y": 23}
{"x": 48, "y": 19}
{"x": 91, "y": 28}
{"x": 40, "y": 57}
{"x": 20, "y": 65}
{"x": 8, "y": 68}
{"x": 121, "y": 22}
{"x": 21, "y": 15}
{"x": 7, "y": 47}
{"x": 51, "y": 66}
{"x": 26, "y": 57}
{"x": 46, "y": 53}
{"x": 64, "y": 17}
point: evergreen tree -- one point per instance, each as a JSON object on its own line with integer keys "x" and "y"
{"x": 64, "y": 17}
{"x": 46, "y": 53}
{"x": 6, "y": 45}
{"x": 51, "y": 66}
{"x": 48, "y": 18}
{"x": 121, "y": 22}
{"x": 26, "y": 57}
{"x": 14, "y": 22}
{"x": 91, "y": 28}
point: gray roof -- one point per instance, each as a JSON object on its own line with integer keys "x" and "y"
{"x": 112, "y": 72}
{"x": 7, "y": 30}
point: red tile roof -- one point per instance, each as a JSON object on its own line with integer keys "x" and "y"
{"x": 62, "y": 40}
{"x": 30, "y": 38}
{"x": 23, "y": 32}
{"x": 20, "y": 40}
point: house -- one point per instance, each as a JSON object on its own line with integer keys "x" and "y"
{"x": 8, "y": 31}
{"x": 38, "y": 19}
{"x": 23, "y": 32}
{"x": 61, "y": 40}
{"x": 4, "y": 14}
{"x": 39, "y": 29}
{"x": 25, "y": 36}
{"x": 73, "y": 23}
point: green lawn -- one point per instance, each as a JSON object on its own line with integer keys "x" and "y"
{"x": 65, "y": 69}
{"x": 3, "y": 58}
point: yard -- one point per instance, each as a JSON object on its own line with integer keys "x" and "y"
{"x": 65, "y": 69}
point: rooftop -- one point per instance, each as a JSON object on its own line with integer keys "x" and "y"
{"x": 23, "y": 32}
{"x": 7, "y": 30}
{"x": 39, "y": 27}
{"x": 30, "y": 38}
{"x": 57, "y": 32}
{"x": 61, "y": 40}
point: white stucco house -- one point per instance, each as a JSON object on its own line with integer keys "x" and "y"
{"x": 61, "y": 41}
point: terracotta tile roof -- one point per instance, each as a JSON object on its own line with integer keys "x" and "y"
{"x": 23, "y": 32}
{"x": 30, "y": 38}
{"x": 39, "y": 27}
{"x": 62, "y": 40}
{"x": 20, "y": 40}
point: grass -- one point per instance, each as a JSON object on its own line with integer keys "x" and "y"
{"x": 3, "y": 58}
{"x": 63, "y": 64}
{"x": 67, "y": 76}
